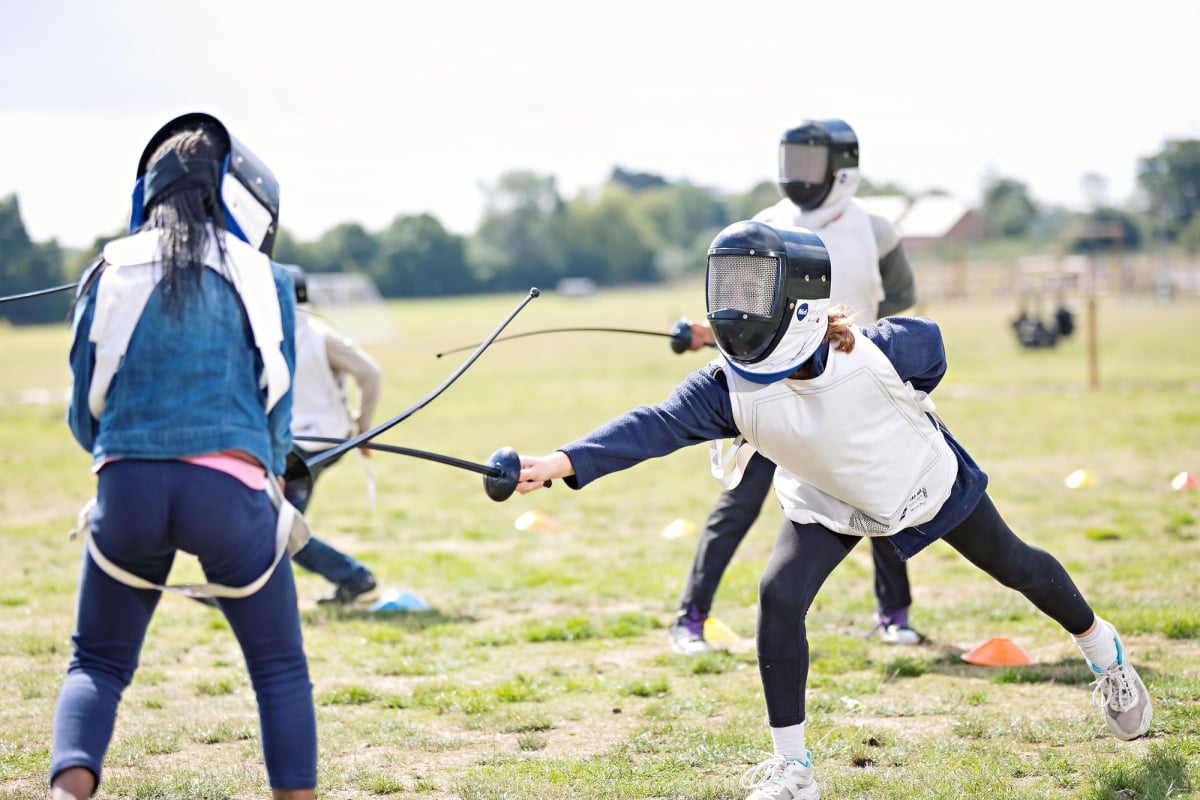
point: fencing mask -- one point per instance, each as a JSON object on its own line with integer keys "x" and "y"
{"x": 247, "y": 187}
{"x": 767, "y": 294}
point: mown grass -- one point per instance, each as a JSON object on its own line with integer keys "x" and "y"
{"x": 542, "y": 670}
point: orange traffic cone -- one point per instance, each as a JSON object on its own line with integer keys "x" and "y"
{"x": 999, "y": 651}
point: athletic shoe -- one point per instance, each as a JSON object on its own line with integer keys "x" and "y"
{"x": 894, "y": 629}
{"x": 1120, "y": 692}
{"x": 899, "y": 634}
{"x": 347, "y": 592}
{"x": 780, "y": 779}
{"x": 687, "y": 632}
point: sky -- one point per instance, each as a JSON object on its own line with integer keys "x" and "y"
{"x": 370, "y": 110}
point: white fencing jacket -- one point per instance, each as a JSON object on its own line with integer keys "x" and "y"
{"x": 893, "y": 471}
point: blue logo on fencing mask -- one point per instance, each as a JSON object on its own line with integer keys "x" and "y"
{"x": 801, "y": 312}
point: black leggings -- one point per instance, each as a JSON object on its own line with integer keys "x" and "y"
{"x": 729, "y": 522}
{"x": 805, "y": 555}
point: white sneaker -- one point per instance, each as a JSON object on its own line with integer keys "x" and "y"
{"x": 687, "y": 633}
{"x": 780, "y": 779}
{"x": 899, "y": 634}
{"x": 1120, "y": 692}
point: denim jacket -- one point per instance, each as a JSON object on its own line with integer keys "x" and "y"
{"x": 188, "y": 385}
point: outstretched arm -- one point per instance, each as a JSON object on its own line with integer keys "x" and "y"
{"x": 697, "y": 411}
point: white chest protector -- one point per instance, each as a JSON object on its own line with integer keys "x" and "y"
{"x": 855, "y": 449}
{"x": 319, "y": 402}
{"x": 131, "y": 275}
{"x": 853, "y": 253}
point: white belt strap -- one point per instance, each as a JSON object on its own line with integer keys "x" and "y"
{"x": 291, "y": 534}
{"x": 738, "y": 454}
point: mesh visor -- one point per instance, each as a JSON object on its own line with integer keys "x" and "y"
{"x": 803, "y": 163}
{"x": 744, "y": 303}
{"x": 742, "y": 283}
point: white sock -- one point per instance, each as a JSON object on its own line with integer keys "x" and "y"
{"x": 789, "y": 742}
{"x": 1100, "y": 646}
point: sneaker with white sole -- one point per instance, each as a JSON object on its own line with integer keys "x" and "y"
{"x": 777, "y": 778}
{"x": 1120, "y": 692}
{"x": 899, "y": 634}
{"x": 687, "y": 632}
{"x": 894, "y": 629}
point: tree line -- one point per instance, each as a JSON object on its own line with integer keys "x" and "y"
{"x": 635, "y": 228}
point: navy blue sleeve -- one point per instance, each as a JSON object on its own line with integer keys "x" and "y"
{"x": 697, "y": 411}
{"x": 915, "y": 348}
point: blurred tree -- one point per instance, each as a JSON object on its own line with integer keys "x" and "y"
{"x": 420, "y": 258}
{"x": 1170, "y": 181}
{"x": 1190, "y": 237}
{"x": 1007, "y": 206}
{"x": 511, "y": 248}
{"x": 27, "y": 267}
{"x": 673, "y": 219}
{"x": 746, "y": 205}
{"x": 347, "y": 247}
{"x": 637, "y": 180}
{"x": 288, "y": 250}
{"x": 869, "y": 188}
{"x": 600, "y": 240}
{"x": 675, "y": 214}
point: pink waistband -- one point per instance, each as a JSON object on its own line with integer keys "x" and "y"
{"x": 253, "y": 475}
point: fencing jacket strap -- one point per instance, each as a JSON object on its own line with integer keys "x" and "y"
{"x": 250, "y": 273}
{"x": 728, "y": 465}
{"x": 120, "y": 300}
{"x": 855, "y": 446}
{"x": 291, "y": 534}
{"x": 132, "y": 274}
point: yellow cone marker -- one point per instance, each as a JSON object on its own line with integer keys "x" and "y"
{"x": 535, "y": 521}
{"x": 1080, "y": 479}
{"x": 717, "y": 632}
{"x": 678, "y": 529}
{"x": 1184, "y": 480}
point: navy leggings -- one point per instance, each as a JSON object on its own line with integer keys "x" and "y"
{"x": 730, "y": 521}
{"x": 805, "y": 555}
{"x": 145, "y": 511}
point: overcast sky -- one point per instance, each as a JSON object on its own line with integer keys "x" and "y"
{"x": 368, "y": 110}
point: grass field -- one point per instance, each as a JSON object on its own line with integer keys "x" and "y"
{"x": 542, "y": 669}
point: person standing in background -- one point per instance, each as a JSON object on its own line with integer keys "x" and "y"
{"x": 321, "y": 407}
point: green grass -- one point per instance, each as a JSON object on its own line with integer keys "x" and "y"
{"x": 542, "y": 668}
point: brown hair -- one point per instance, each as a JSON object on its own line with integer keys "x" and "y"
{"x": 839, "y": 333}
